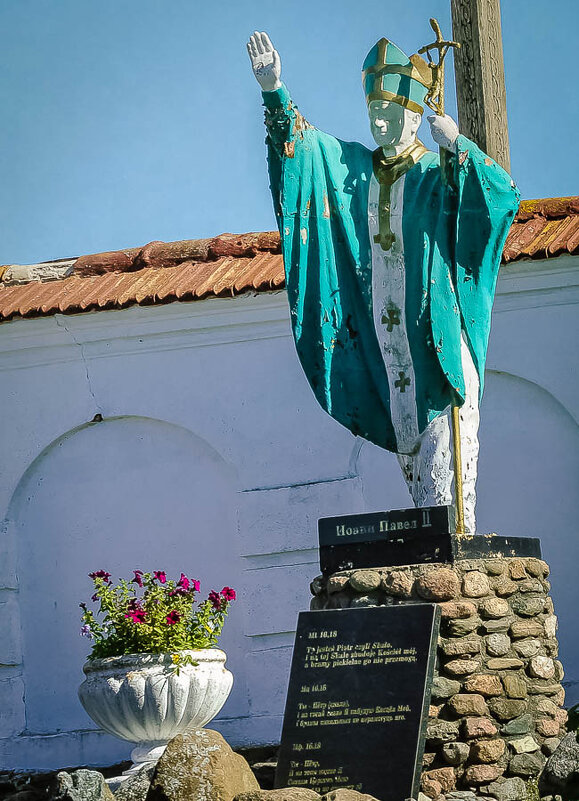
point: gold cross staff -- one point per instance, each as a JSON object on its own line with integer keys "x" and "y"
{"x": 435, "y": 100}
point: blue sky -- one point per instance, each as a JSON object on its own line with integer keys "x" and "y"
{"x": 126, "y": 121}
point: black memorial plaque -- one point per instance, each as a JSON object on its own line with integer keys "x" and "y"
{"x": 408, "y": 537}
{"x": 398, "y": 537}
{"x": 358, "y": 699}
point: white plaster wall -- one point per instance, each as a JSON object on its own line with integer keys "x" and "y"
{"x": 213, "y": 455}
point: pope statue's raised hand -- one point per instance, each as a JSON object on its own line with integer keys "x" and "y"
{"x": 391, "y": 266}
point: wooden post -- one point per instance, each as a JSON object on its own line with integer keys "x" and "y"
{"x": 480, "y": 76}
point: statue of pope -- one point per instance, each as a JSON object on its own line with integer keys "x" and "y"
{"x": 391, "y": 264}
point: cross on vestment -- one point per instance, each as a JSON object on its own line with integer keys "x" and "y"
{"x": 392, "y": 318}
{"x": 402, "y": 382}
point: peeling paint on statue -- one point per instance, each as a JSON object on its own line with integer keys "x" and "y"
{"x": 391, "y": 245}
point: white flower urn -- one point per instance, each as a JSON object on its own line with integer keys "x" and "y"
{"x": 144, "y": 699}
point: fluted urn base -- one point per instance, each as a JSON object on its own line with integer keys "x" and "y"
{"x": 142, "y": 698}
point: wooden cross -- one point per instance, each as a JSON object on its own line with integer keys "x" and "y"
{"x": 480, "y": 76}
{"x": 392, "y": 318}
{"x": 402, "y": 381}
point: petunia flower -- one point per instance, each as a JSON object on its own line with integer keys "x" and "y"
{"x": 86, "y": 631}
{"x": 173, "y": 617}
{"x": 94, "y": 597}
{"x": 136, "y": 615}
{"x": 102, "y": 574}
{"x": 137, "y": 578}
{"x": 215, "y": 599}
{"x": 183, "y": 582}
{"x": 228, "y": 593}
{"x": 160, "y": 575}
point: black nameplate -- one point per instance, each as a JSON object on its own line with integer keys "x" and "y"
{"x": 358, "y": 700}
{"x": 398, "y": 537}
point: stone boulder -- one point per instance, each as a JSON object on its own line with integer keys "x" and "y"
{"x": 284, "y": 794}
{"x": 136, "y": 786}
{"x": 200, "y": 765}
{"x": 303, "y": 794}
{"x": 81, "y": 785}
{"x": 562, "y": 769}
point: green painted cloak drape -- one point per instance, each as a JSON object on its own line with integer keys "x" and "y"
{"x": 453, "y": 234}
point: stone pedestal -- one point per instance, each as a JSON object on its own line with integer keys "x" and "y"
{"x": 497, "y": 698}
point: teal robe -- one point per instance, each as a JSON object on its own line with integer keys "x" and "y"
{"x": 453, "y": 231}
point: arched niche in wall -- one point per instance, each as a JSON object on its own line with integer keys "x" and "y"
{"x": 118, "y": 495}
{"x": 527, "y": 486}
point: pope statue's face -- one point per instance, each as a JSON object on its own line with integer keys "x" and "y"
{"x": 392, "y": 124}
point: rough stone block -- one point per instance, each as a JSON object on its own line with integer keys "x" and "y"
{"x": 509, "y": 790}
{"x": 398, "y": 583}
{"x": 475, "y": 584}
{"x": 548, "y": 727}
{"x": 526, "y": 765}
{"x": 444, "y": 776}
{"x": 464, "y": 704}
{"x": 438, "y": 584}
{"x": 500, "y": 625}
{"x": 457, "y": 609}
{"x": 525, "y": 745}
{"x": 498, "y": 644}
{"x": 200, "y": 764}
{"x": 495, "y": 567}
{"x": 503, "y": 586}
{"x": 461, "y": 628}
{"x": 542, "y": 667}
{"x": 439, "y": 732}
{"x": 550, "y": 624}
{"x": 365, "y": 580}
{"x": 531, "y": 585}
{"x": 527, "y": 648}
{"x": 487, "y": 751}
{"x": 444, "y": 688}
{"x": 337, "y": 584}
{"x": 517, "y": 569}
{"x": 537, "y": 567}
{"x": 461, "y": 667}
{"x": 504, "y": 663}
{"x": 520, "y": 725}
{"x": 481, "y": 774}
{"x": 550, "y": 745}
{"x": 478, "y": 727}
{"x": 515, "y": 685}
{"x": 528, "y": 607}
{"x": 468, "y": 645}
{"x": 545, "y": 706}
{"x": 494, "y": 608}
{"x": 430, "y": 787}
{"x": 484, "y": 683}
{"x": 527, "y": 628}
{"x": 507, "y": 708}
{"x": 455, "y": 753}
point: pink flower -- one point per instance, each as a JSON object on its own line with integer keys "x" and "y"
{"x": 138, "y": 578}
{"x": 183, "y": 582}
{"x": 102, "y": 574}
{"x": 228, "y": 593}
{"x": 136, "y": 614}
{"x": 160, "y": 575}
{"x": 173, "y": 617}
{"x": 215, "y": 599}
{"x": 195, "y": 585}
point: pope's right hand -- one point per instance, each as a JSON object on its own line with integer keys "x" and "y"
{"x": 265, "y": 61}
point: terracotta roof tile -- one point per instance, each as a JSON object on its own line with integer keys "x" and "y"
{"x": 231, "y": 264}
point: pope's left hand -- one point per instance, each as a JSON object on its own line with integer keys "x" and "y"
{"x": 444, "y": 131}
